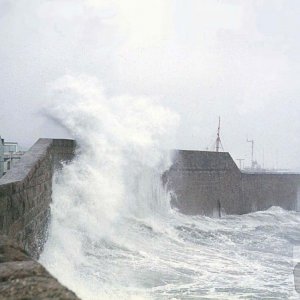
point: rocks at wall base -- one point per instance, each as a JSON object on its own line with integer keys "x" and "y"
{"x": 23, "y": 278}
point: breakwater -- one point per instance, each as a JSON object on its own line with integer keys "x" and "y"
{"x": 210, "y": 183}
{"x": 25, "y": 196}
{"x": 205, "y": 183}
{"x": 25, "y": 193}
{"x": 201, "y": 182}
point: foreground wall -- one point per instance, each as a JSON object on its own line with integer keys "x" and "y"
{"x": 210, "y": 183}
{"x": 23, "y": 278}
{"x": 25, "y": 193}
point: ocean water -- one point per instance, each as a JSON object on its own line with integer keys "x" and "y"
{"x": 113, "y": 234}
{"x": 181, "y": 257}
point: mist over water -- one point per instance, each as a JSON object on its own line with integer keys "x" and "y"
{"x": 113, "y": 234}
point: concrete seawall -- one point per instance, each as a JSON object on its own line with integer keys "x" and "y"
{"x": 25, "y": 196}
{"x": 204, "y": 183}
{"x": 25, "y": 193}
{"x": 210, "y": 183}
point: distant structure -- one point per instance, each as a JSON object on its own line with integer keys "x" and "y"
{"x": 255, "y": 166}
{"x": 252, "y": 152}
{"x": 9, "y": 155}
{"x": 210, "y": 183}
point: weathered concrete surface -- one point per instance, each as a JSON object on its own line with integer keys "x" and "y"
{"x": 25, "y": 193}
{"x": 23, "y": 278}
{"x": 25, "y": 196}
{"x": 210, "y": 183}
{"x": 261, "y": 191}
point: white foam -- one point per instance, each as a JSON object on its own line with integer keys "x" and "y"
{"x": 116, "y": 173}
{"x": 113, "y": 234}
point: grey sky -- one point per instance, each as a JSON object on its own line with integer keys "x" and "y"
{"x": 202, "y": 58}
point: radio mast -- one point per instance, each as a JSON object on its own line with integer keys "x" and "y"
{"x": 218, "y": 140}
{"x": 252, "y": 152}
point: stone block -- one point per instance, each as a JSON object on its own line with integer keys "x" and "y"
{"x": 23, "y": 278}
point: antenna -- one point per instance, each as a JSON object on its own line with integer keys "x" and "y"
{"x": 252, "y": 152}
{"x": 218, "y": 140}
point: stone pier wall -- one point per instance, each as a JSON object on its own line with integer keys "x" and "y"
{"x": 210, "y": 183}
{"x": 261, "y": 191}
{"x": 25, "y": 193}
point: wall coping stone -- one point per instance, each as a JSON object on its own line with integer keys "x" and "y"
{"x": 29, "y": 160}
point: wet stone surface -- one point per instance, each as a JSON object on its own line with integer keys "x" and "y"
{"x": 23, "y": 278}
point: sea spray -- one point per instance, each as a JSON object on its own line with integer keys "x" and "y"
{"x": 113, "y": 234}
{"x": 122, "y": 152}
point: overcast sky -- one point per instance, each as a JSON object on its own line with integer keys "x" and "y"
{"x": 201, "y": 58}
